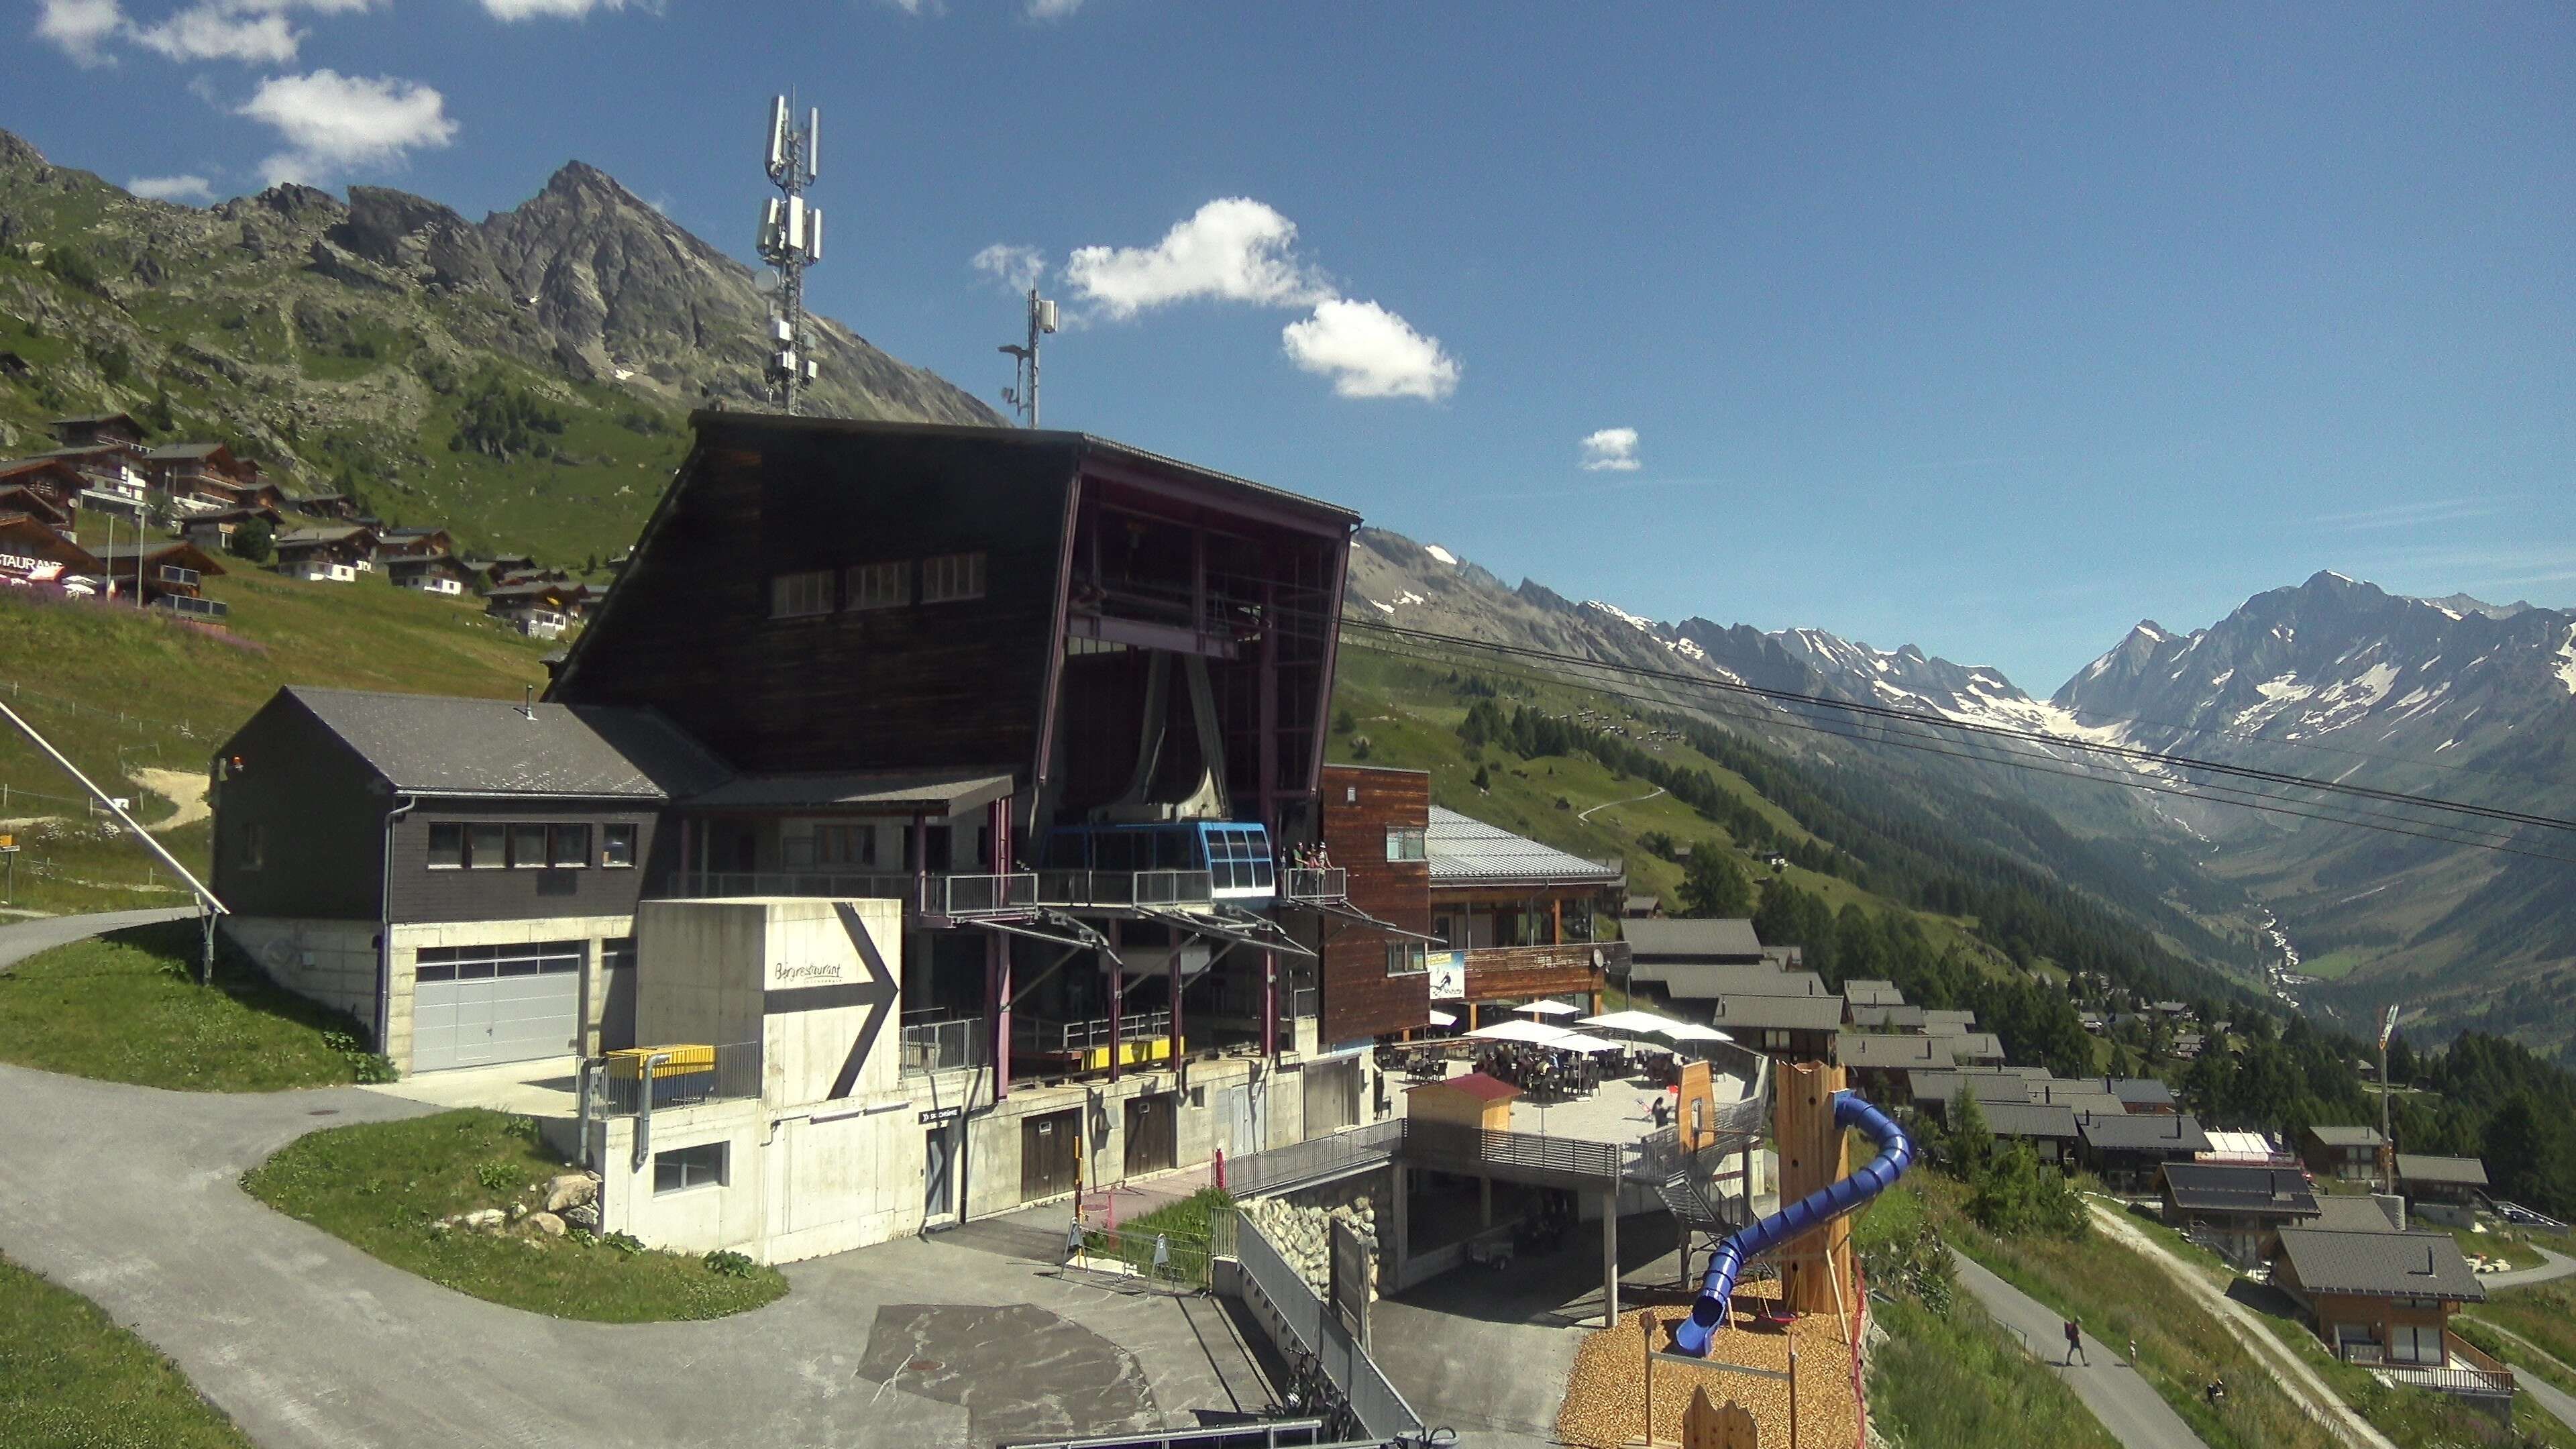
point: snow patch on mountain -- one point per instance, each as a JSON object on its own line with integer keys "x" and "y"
{"x": 1640, "y": 623}
{"x": 1442, "y": 554}
{"x": 2567, "y": 660}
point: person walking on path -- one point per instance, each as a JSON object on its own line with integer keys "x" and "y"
{"x": 2075, "y": 1345}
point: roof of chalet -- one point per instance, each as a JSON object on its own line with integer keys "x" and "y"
{"x": 2341, "y": 1212}
{"x": 181, "y": 452}
{"x": 332, "y": 533}
{"x": 60, "y": 547}
{"x": 1871, "y": 1049}
{"x": 1699, "y": 983}
{"x": 156, "y": 550}
{"x": 1989, "y": 1088}
{"x": 2213, "y": 1187}
{"x": 2122, "y": 1133}
{"x": 1705, "y": 940}
{"x": 1972, "y": 1045}
{"x": 935, "y": 792}
{"x": 2339, "y": 1136}
{"x": 2464, "y": 1171}
{"x": 2083, "y": 1097}
{"x": 2380, "y": 1265}
{"x": 2029, "y": 1119}
{"x": 1962, "y": 1019}
{"x": 440, "y": 745}
{"x": 1898, "y": 1018}
{"x": 1789, "y": 1013}
{"x": 1465, "y": 851}
{"x": 2137, "y": 1091}
{"x": 1873, "y": 993}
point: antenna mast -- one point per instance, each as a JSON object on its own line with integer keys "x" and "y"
{"x": 1022, "y": 394}
{"x": 791, "y": 239}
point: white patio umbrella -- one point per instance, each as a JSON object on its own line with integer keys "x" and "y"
{"x": 1643, "y": 1023}
{"x": 1548, "y": 1008}
{"x": 1535, "y": 1033}
{"x": 1692, "y": 1031}
{"x": 1442, "y": 1018}
{"x": 1575, "y": 1041}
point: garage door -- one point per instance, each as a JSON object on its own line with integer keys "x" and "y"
{"x": 475, "y": 1006}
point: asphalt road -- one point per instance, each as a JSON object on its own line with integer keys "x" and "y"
{"x": 22, "y": 939}
{"x": 2127, "y": 1406}
{"x": 2559, "y": 1265}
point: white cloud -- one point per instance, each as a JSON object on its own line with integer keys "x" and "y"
{"x": 1369, "y": 351}
{"x": 1015, "y": 267}
{"x": 1234, "y": 249}
{"x": 172, "y": 188}
{"x": 516, "y": 10}
{"x": 1052, "y": 9}
{"x": 330, "y": 121}
{"x": 223, "y": 32}
{"x": 79, "y": 27}
{"x": 1611, "y": 450}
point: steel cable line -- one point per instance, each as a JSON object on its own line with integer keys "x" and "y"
{"x": 1999, "y": 732}
{"x": 1928, "y": 743}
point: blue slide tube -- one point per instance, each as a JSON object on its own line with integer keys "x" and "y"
{"x": 1895, "y": 1154}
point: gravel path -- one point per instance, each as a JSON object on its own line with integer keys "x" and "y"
{"x": 2294, "y": 1375}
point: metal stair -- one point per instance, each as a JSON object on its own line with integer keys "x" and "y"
{"x": 1685, "y": 1203}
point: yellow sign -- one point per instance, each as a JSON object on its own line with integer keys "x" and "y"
{"x": 8, "y": 842}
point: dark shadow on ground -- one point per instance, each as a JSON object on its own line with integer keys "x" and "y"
{"x": 1558, "y": 1289}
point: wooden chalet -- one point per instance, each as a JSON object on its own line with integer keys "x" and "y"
{"x": 205, "y": 475}
{"x": 339, "y": 506}
{"x": 439, "y": 573}
{"x": 88, "y": 429}
{"x": 338, "y": 553}
{"x": 540, "y": 610}
{"x": 2237, "y": 1211}
{"x": 48, "y": 488}
{"x": 2130, "y": 1153}
{"x": 214, "y": 530}
{"x": 1108, "y": 671}
{"x": 166, "y": 574}
{"x": 2351, "y": 1153}
{"x": 112, "y": 478}
{"x": 35, "y": 554}
{"x": 415, "y": 543}
{"x": 1522, "y": 919}
{"x": 2385, "y": 1300}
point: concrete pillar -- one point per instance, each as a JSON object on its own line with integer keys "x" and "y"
{"x": 1609, "y": 1257}
{"x": 1270, "y": 1006}
{"x": 1485, "y": 1201}
{"x": 1117, "y": 998}
{"x": 997, "y": 1009}
{"x": 1403, "y": 1224}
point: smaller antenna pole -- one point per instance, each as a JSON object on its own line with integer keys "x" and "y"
{"x": 1033, "y": 356}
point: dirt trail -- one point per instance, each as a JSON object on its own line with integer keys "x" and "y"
{"x": 183, "y": 788}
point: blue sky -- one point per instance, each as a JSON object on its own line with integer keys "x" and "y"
{"x": 1991, "y": 332}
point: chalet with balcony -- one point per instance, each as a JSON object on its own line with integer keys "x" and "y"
{"x": 203, "y": 476}
{"x": 441, "y": 574}
{"x": 2130, "y": 1153}
{"x": 1880, "y": 1064}
{"x": 1521, "y": 919}
{"x": 337, "y": 553}
{"x": 2237, "y": 1211}
{"x": 2349, "y": 1153}
{"x": 538, "y": 610}
{"x": 213, "y": 531}
{"x": 91, "y": 429}
{"x": 1658, "y": 947}
{"x": 166, "y": 574}
{"x": 429, "y": 542}
{"x": 2458, "y": 1183}
{"x": 2385, "y": 1301}
{"x": 2052, "y": 1132}
{"x": 45, "y": 488}
{"x": 36, "y": 555}
{"x": 338, "y": 506}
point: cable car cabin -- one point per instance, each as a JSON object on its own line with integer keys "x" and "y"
{"x": 1236, "y": 856}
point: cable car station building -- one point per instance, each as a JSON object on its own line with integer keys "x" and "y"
{"x": 1044, "y": 712}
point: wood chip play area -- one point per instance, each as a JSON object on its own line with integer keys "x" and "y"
{"x": 1605, "y": 1397}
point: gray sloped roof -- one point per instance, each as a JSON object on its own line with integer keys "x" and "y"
{"x": 1961, "y": 1019}
{"x": 2083, "y": 1097}
{"x": 1689, "y": 982}
{"x": 2231, "y": 1188}
{"x": 2347, "y": 1136}
{"x": 2417, "y": 1167}
{"x": 1988, "y": 1088}
{"x": 1467, "y": 851}
{"x": 1873, "y": 993}
{"x": 2158, "y": 1133}
{"x": 2344, "y": 1213}
{"x": 1874, "y": 1016}
{"x": 1793, "y": 1013}
{"x": 2380, "y": 1265}
{"x": 1870, "y": 1049}
{"x": 2138, "y": 1091}
{"x": 2028, "y": 1119}
{"x": 939, "y": 792}
{"x": 1973, "y": 1046}
{"x": 436, "y": 744}
{"x": 1694, "y": 940}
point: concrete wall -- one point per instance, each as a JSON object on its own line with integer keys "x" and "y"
{"x": 698, "y": 1219}
{"x": 333, "y": 962}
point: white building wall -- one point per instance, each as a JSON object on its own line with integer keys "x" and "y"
{"x": 333, "y": 962}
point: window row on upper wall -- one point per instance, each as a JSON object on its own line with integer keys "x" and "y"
{"x": 942, "y": 579}
{"x": 526, "y": 845}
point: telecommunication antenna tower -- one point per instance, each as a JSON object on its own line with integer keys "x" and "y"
{"x": 1022, "y": 394}
{"x": 791, "y": 239}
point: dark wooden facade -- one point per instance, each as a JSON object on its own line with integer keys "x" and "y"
{"x": 1361, "y": 999}
{"x": 1519, "y": 973}
{"x": 299, "y": 820}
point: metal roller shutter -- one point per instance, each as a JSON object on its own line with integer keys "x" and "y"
{"x": 476, "y": 1006}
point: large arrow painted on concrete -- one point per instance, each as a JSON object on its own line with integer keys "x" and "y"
{"x": 879, "y": 991}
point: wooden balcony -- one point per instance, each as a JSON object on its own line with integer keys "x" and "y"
{"x": 1496, "y": 972}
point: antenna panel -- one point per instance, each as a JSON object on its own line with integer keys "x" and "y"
{"x": 813, "y": 135}
{"x": 795, "y": 224}
{"x": 1046, "y": 316}
{"x": 777, "y": 134}
{"x": 814, "y": 234}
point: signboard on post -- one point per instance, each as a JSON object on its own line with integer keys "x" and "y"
{"x": 1349, "y": 1295}
{"x": 1448, "y": 975}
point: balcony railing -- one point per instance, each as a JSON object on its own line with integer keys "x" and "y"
{"x": 942, "y": 894}
{"x": 1075, "y": 889}
{"x": 979, "y": 895}
{"x": 732, "y": 1073}
{"x": 1069, "y": 1038}
{"x": 1304, "y": 884}
{"x": 187, "y": 607}
{"x": 944, "y": 1046}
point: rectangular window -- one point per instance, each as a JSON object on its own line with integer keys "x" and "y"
{"x": 250, "y": 848}
{"x": 447, "y": 845}
{"x": 1775, "y": 1040}
{"x": 1406, "y": 842}
{"x": 567, "y": 846}
{"x": 487, "y": 847}
{"x": 617, "y": 953}
{"x": 879, "y": 586}
{"x": 951, "y": 577}
{"x": 1407, "y": 958}
{"x": 616, "y": 845}
{"x": 527, "y": 847}
{"x": 683, "y": 1168}
{"x": 842, "y": 846}
{"x": 482, "y": 963}
{"x": 794, "y": 596}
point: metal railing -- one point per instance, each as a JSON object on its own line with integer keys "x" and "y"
{"x": 979, "y": 895}
{"x": 1064, "y": 1038}
{"x": 733, "y": 1076}
{"x": 1381, "y": 1411}
{"x": 944, "y": 1046}
{"x": 192, "y": 608}
{"x": 1304, "y": 884}
{"x": 1078, "y": 888}
{"x": 1164, "y": 1258}
{"x": 1516, "y": 1156}
{"x": 1297, "y": 1001}
{"x": 1318, "y": 1159}
{"x": 941, "y": 894}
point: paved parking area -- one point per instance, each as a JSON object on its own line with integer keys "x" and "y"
{"x": 130, "y": 1196}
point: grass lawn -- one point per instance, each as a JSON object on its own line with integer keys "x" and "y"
{"x": 71, "y": 1379}
{"x": 382, "y": 1186}
{"x": 2542, "y": 1314}
{"x": 126, "y": 1008}
{"x": 2415, "y": 1418}
{"x": 2120, "y": 1297}
{"x": 1948, "y": 1376}
{"x": 1186, "y": 1226}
